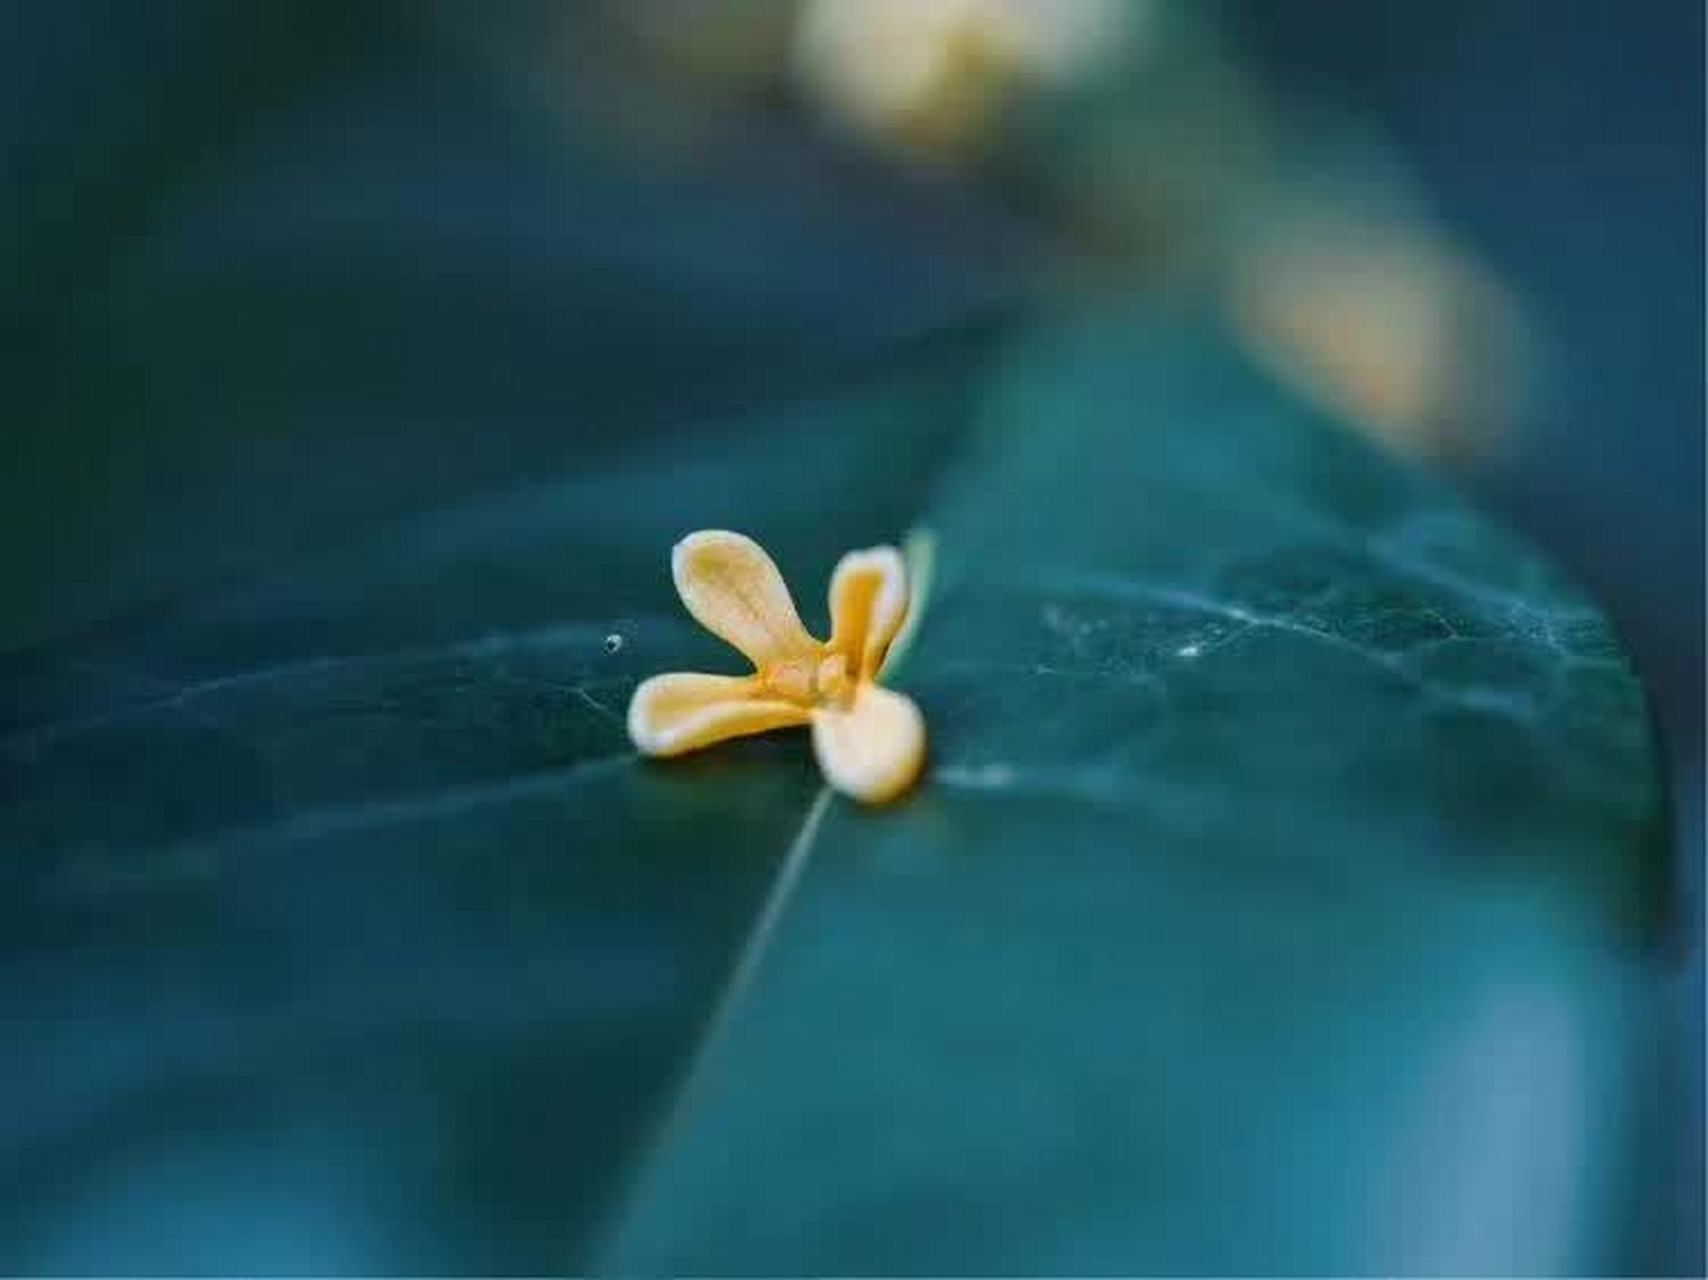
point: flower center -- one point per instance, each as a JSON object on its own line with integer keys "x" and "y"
{"x": 834, "y": 686}
{"x": 812, "y": 682}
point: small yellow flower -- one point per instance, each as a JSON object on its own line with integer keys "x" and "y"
{"x": 870, "y": 741}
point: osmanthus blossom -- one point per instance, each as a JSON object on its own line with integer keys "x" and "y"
{"x": 934, "y": 75}
{"x": 869, "y": 740}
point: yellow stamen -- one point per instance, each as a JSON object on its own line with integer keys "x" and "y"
{"x": 792, "y": 680}
{"x": 834, "y": 686}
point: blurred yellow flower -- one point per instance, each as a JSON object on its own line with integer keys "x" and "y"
{"x": 870, "y": 741}
{"x": 932, "y": 74}
{"x": 1394, "y": 326}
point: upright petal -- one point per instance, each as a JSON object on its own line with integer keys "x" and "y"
{"x": 874, "y": 750}
{"x": 734, "y": 590}
{"x": 680, "y": 712}
{"x": 868, "y": 602}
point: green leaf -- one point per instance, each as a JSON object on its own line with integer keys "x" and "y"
{"x": 1276, "y": 901}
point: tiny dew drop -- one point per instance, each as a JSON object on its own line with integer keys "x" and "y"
{"x": 613, "y": 642}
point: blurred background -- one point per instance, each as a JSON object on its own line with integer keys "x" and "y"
{"x": 1472, "y": 229}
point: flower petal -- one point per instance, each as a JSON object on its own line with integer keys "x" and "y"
{"x": 680, "y": 712}
{"x": 868, "y": 602}
{"x": 874, "y": 750}
{"x": 734, "y": 590}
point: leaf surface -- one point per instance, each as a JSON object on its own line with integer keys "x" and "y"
{"x": 1275, "y": 901}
